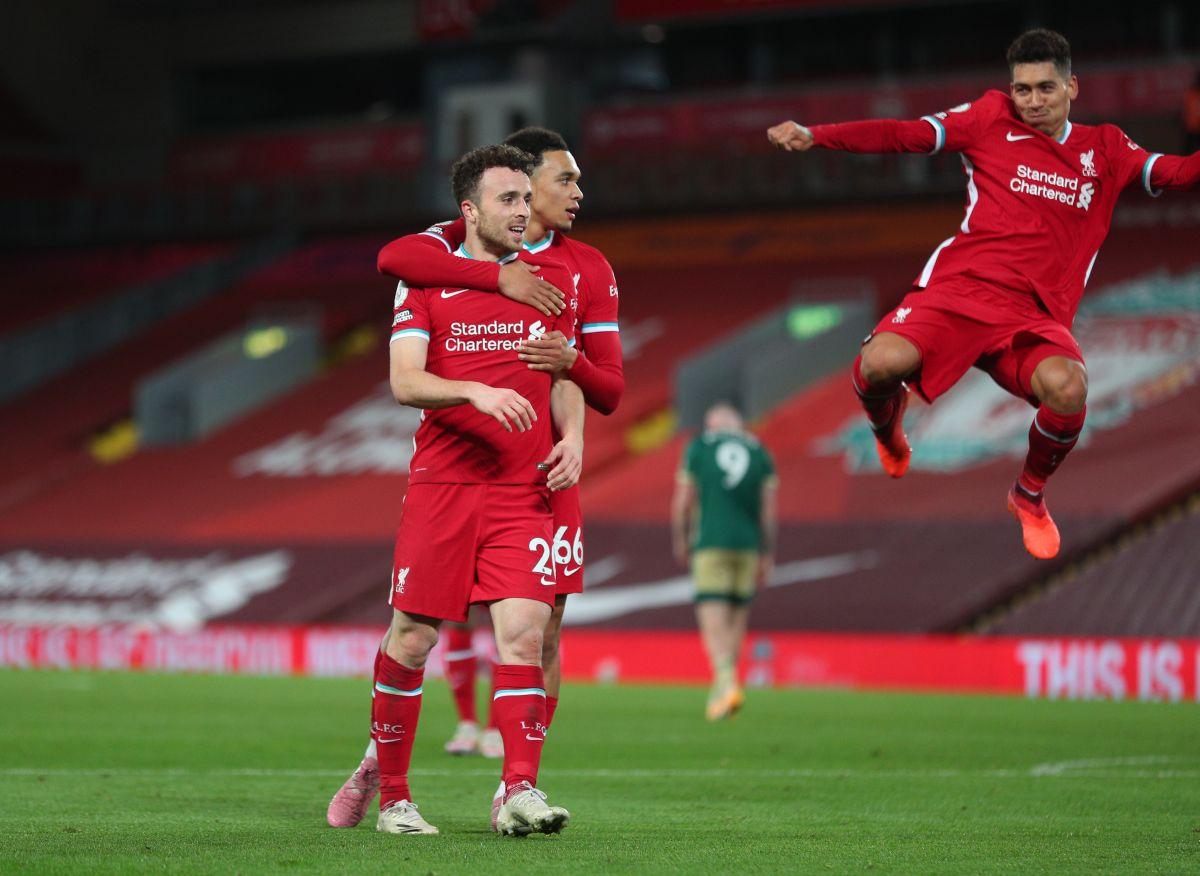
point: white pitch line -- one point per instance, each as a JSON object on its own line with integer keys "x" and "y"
{"x": 1059, "y": 767}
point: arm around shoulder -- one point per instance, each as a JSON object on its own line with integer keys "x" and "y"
{"x": 424, "y": 260}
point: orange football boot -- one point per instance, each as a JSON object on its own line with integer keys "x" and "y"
{"x": 1037, "y": 526}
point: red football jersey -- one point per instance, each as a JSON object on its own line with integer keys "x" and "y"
{"x": 592, "y": 276}
{"x": 474, "y": 336}
{"x": 593, "y": 302}
{"x": 1038, "y": 208}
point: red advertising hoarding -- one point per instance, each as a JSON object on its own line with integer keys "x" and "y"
{"x": 1058, "y": 668}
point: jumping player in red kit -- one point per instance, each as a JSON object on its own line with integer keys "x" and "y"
{"x": 1001, "y": 294}
{"x": 476, "y": 525}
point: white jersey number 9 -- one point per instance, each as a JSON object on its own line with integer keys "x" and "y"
{"x": 734, "y": 460}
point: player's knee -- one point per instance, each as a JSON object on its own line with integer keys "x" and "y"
{"x": 883, "y": 361}
{"x": 525, "y": 647}
{"x": 1064, "y": 388}
{"x": 411, "y": 645}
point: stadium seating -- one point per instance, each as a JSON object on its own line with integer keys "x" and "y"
{"x": 1144, "y": 585}
{"x": 38, "y": 285}
{"x": 317, "y": 476}
{"x": 936, "y": 552}
{"x": 49, "y": 448}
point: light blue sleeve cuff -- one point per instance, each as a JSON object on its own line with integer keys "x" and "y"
{"x": 409, "y": 333}
{"x": 1146, "y": 170}
{"x": 939, "y": 133}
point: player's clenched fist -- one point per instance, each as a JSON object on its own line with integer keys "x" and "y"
{"x": 505, "y": 405}
{"x": 790, "y": 136}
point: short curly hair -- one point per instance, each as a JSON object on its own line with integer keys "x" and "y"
{"x": 1039, "y": 45}
{"x": 469, "y": 170}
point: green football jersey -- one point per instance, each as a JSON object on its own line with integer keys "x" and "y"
{"x": 728, "y": 470}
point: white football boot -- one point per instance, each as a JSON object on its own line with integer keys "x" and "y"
{"x": 525, "y": 810}
{"x": 403, "y": 817}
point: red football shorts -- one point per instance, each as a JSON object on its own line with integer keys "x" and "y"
{"x": 568, "y": 540}
{"x": 459, "y": 544}
{"x": 958, "y": 323}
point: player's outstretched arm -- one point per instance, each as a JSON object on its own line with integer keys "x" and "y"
{"x": 790, "y": 137}
{"x": 412, "y": 385}
{"x": 872, "y": 136}
{"x": 1176, "y": 172}
{"x": 566, "y": 459}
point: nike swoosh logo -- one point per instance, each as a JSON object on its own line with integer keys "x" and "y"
{"x": 572, "y": 571}
{"x": 533, "y": 738}
{"x": 397, "y": 739}
{"x": 1009, "y": 136}
{"x": 446, "y": 294}
{"x": 548, "y": 583}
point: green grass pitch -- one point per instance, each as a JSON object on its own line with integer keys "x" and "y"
{"x": 126, "y": 773}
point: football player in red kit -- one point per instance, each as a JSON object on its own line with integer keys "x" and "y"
{"x": 477, "y": 527}
{"x": 1001, "y": 293}
{"x": 593, "y": 364}
{"x": 429, "y": 258}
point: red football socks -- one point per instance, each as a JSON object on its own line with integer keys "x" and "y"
{"x": 1051, "y": 437}
{"x": 394, "y": 714}
{"x": 460, "y": 671}
{"x": 519, "y": 706}
{"x": 878, "y": 401}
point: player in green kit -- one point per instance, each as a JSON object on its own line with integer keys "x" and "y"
{"x": 723, "y": 514}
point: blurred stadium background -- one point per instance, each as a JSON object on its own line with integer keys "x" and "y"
{"x": 200, "y": 463}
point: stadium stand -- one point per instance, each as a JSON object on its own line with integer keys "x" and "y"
{"x": 334, "y": 277}
{"x": 1142, "y": 585}
{"x": 39, "y": 285}
{"x": 950, "y": 552}
{"x": 315, "y": 478}
{"x": 76, "y": 323}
